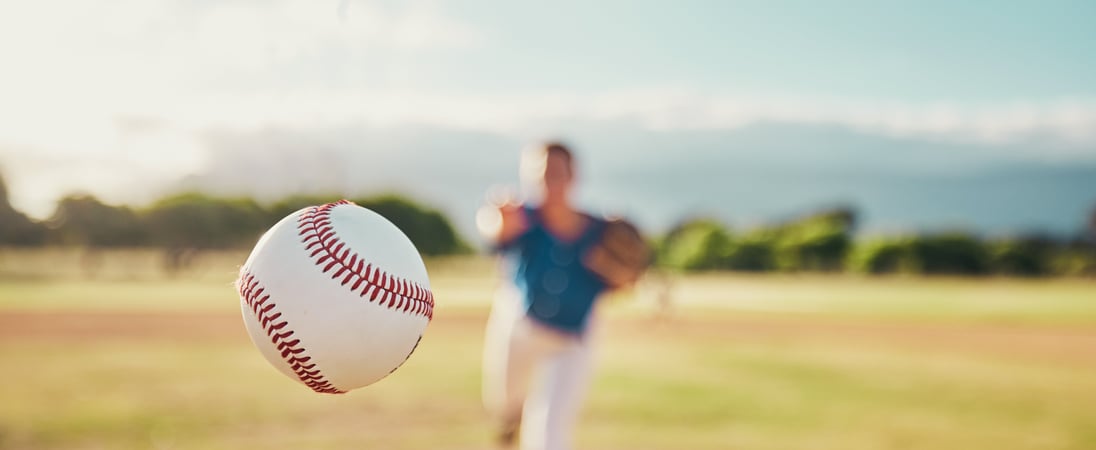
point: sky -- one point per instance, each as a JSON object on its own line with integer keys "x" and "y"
{"x": 788, "y": 100}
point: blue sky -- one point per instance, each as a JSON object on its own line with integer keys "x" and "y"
{"x": 124, "y": 101}
{"x": 976, "y": 51}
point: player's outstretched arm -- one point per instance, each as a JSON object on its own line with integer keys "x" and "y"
{"x": 501, "y": 220}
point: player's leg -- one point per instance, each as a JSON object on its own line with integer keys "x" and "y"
{"x": 508, "y": 362}
{"x": 553, "y": 407}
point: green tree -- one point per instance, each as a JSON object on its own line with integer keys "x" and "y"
{"x": 197, "y": 221}
{"x": 185, "y": 224}
{"x": 819, "y": 241}
{"x": 428, "y": 229}
{"x": 754, "y": 253}
{"x": 83, "y": 220}
{"x": 1024, "y": 256}
{"x": 1091, "y": 228}
{"x": 880, "y": 256}
{"x": 695, "y": 245}
{"x": 15, "y": 227}
{"x": 954, "y": 253}
{"x": 286, "y": 206}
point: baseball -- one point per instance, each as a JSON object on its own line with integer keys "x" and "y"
{"x": 335, "y": 297}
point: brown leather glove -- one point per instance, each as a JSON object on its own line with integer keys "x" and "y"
{"x": 621, "y": 255}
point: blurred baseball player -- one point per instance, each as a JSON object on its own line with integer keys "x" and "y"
{"x": 537, "y": 361}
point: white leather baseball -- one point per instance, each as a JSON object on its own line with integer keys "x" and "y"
{"x": 335, "y": 296}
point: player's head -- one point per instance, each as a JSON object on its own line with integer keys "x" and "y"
{"x": 549, "y": 169}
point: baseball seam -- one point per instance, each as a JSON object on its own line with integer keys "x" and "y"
{"x": 269, "y": 319}
{"x": 331, "y": 254}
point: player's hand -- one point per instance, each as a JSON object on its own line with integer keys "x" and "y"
{"x": 501, "y": 218}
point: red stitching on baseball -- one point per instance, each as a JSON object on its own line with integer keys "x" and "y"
{"x": 269, "y": 319}
{"x": 333, "y": 255}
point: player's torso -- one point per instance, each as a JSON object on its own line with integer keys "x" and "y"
{"x": 557, "y": 289}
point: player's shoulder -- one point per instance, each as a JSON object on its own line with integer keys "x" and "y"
{"x": 593, "y": 219}
{"x": 606, "y": 219}
{"x": 595, "y": 224}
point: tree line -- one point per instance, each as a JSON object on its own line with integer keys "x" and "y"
{"x": 187, "y": 223}
{"x": 824, "y": 242}
{"x": 190, "y": 222}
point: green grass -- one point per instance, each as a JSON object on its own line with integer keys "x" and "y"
{"x": 467, "y": 283}
{"x": 990, "y": 300}
{"x": 668, "y": 386}
{"x": 179, "y": 294}
{"x": 52, "y": 280}
{"x": 654, "y": 390}
{"x": 828, "y": 396}
{"x": 201, "y": 395}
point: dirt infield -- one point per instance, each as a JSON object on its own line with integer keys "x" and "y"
{"x": 119, "y": 325}
{"x": 1061, "y": 344}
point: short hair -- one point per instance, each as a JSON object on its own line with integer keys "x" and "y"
{"x": 534, "y": 157}
{"x": 560, "y": 149}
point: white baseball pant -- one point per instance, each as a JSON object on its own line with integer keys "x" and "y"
{"x": 533, "y": 374}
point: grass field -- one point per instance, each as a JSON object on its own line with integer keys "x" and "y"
{"x": 126, "y": 358}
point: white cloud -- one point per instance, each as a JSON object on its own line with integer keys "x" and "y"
{"x": 78, "y": 66}
{"x": 73, "y": 69}
{"x": 1068, "y": 124}
{"x": 168, "y": 144}
{"x": 73, "y": 74}
{"x": 114, "y": 95}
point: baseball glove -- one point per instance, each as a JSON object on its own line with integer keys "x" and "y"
{"x": 620, "y": 256}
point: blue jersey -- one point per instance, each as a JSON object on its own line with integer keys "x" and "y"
{"x": 557, "y": 290}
